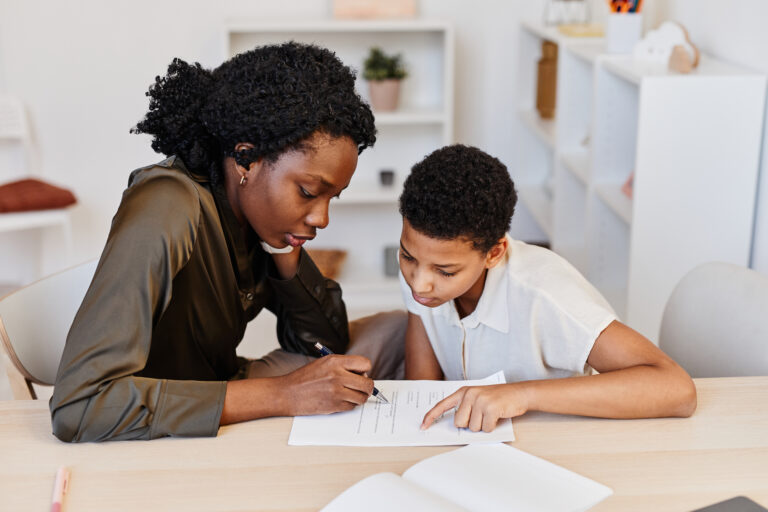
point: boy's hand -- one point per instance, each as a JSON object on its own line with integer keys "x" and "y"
{"x": 481, "y": 407}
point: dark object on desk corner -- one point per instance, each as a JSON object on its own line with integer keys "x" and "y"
{"x": 737, "y": 504}
{"x": 387, "y": 177}
{"x": 31, "y": 194}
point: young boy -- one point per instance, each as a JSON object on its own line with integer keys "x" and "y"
{"x": 480, "y": 302}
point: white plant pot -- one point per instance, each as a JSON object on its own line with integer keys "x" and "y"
{"x": 385, "y": 94}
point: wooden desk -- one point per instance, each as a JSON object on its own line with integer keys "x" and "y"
{"x": 665, "y": 464}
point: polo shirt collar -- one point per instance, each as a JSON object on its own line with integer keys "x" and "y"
{"x": 491, "y": 309}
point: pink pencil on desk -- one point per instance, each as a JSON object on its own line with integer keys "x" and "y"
{"x": 59, "y": 489}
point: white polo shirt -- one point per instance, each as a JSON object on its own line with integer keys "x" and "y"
{"x": 537, "y": 318}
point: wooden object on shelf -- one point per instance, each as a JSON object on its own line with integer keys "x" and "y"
{"x": 373, "y": 9}
{"x": 582, "y": 30}
{"x": 328, "y": 261}
{"x": 546, "y": 83}
{"x": 668, "y": 47}
{"x": 681, "y": 60}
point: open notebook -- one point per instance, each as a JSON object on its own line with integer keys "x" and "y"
{"x": 482, "y": 477}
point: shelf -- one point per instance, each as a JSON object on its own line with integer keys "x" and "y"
{"x": 543, "y": 128}
{"x": 587, "y": 52}
{"x": 539, "y": 203}
{"x": 373, "y": 196}
{"x": 551, "y": 33}
{"x": 248, "y": 26}
{"x": 634, "y": 70}
{"x": 380, "y": 294}
{"x": 577, "y": 163}
{"x": 32, "y": 220}
{"x": 413, "y": 116}
{"x": 615, "y": 199}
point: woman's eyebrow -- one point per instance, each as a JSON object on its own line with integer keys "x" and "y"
{"x": 322, "y": 180}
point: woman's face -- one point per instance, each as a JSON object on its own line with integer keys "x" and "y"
{"x": 287, "y": 201}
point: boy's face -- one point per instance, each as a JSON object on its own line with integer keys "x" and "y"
{"x": 438, "y": 271}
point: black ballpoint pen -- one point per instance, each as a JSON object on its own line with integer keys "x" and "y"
{"x": 325, "y": 351}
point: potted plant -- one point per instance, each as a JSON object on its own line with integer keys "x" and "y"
{"x": 384, "y": 73}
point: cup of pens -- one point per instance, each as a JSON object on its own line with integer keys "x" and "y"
{"x": 624, "y": 25}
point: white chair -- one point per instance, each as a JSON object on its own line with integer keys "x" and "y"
{"x": 715, "y": 323}
{"x": 34, "y": 322}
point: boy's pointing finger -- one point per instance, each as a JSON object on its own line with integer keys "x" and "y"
{"x": 446, "y": 404}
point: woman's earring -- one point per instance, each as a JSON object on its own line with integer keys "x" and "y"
{"x": 243, "y": 179}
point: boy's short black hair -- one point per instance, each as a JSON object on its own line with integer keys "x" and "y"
{"x": 460, "y": 192}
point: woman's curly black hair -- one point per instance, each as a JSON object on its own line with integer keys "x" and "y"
{"x": 460, "y": 192}
{"x": 274, "y": 97}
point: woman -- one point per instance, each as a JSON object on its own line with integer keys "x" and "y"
{"x": 204, "y": 240}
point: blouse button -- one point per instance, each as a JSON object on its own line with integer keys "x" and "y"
{"x": 249, "y": 296}
{"x": 317, "y": 290}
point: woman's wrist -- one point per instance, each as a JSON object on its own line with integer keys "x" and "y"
{"x": 250, "y": 399}
{"x": 287, "y": 264}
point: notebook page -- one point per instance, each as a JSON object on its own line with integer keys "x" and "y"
{"x": 397, "y": 424}
{"x": 497, "y": 477}
{"x": 385, "y": 492}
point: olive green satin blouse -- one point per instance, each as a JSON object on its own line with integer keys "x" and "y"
{"x": 154, "y": 341}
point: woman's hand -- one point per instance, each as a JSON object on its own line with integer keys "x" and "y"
{"x": 287, "y": 264}
{"x": 481, "y": 407}
{"x": 330, "y": 384}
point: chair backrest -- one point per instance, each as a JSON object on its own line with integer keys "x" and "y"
{"x": 35, "y": 320}
{"x": 18, "y": 156}
{"x": 13, "y": 121}
{"x": 715, "y": 323}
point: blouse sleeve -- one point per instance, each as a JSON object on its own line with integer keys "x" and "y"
{"x": 97, "y": 395}
{"x": 309, "y": 308}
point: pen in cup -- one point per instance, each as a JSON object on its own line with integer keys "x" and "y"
{"x": 59, "y": 489}
{"x": 325, "y": 351}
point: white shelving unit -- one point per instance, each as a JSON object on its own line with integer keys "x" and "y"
{"x": 693, "y": 143}
{"x": 365, "y": 220}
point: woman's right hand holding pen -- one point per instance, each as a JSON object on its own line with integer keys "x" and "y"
{"x": 329, "y": 384}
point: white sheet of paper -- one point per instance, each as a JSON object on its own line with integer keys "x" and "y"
{"x": 397, "y": 424}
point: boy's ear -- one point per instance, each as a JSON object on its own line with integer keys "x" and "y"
{"x": 497, "y": 252}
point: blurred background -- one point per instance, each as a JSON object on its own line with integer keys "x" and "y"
{"x": 81, "y": 68}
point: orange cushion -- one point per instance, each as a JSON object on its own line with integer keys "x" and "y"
{"x": 31, "y": 194}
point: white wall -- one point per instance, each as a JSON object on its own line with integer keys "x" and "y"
{"x": 82, "y": 68}
{"x": 733, "y": 31}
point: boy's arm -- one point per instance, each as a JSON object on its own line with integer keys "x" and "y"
{"x": 637, "y": 380}
{"x": 420, "y": 360}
